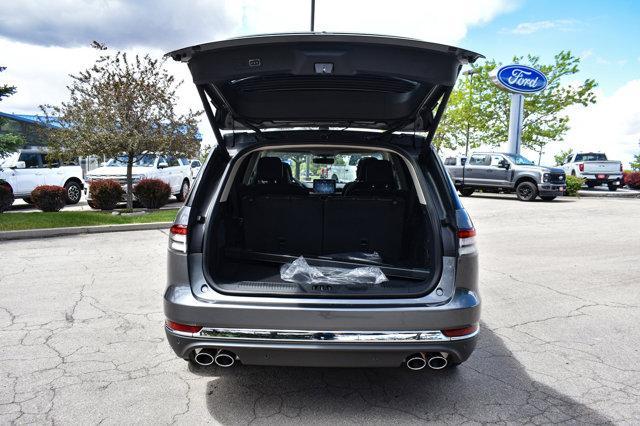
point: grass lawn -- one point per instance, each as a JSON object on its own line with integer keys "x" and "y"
{"x": 18, "y": 221}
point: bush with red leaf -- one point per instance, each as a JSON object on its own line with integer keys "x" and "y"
{"x": 105, "y": 194}
{"x": 152, "y": 193}
{"x": 6, "y": 196}
{"x": 632, "y": 179}
{"x": 49, "y": 198}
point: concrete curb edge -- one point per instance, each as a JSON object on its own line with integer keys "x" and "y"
{"x": 57, "y": 232}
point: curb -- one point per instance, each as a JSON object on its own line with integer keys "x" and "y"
{"x": 58, "y": 232}
{"x": 608, "y": 194}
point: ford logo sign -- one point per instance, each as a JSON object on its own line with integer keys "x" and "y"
{"x": 519, "y": 79}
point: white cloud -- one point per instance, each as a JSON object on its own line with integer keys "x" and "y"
{"x": 612, "y": 126}
{"x": 42, "y": 42}
{"x": 526, "y": 28}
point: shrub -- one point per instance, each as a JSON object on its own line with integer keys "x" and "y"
{"x": 574, "y": 184}
{"x": 6, "y": 196}
{"x": 49, "y": 198}
{"x": 632, "y": 180}
{"x": 152, "y": 193}
{"x": 105, "y": 194}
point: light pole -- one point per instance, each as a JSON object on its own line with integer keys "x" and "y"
{"x": 313, "y": 14}
{"x": 470, "y": 73}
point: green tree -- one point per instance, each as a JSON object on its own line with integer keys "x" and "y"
{"x": 9, "y": 142}
{"x": 561, "y": 156}
{"x": 635, "y": 164}
{"x": 122, "y": 106}
{"x": 480, "y": 106}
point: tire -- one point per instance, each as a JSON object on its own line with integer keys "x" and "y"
{"x": 591, "y": 185}
{"x": 466, "y": 192}
{"x": 613, "y": 187}
{"x": 526, "y": 191}
{"x": 184, "y": 191}
{"x": 74, "y": 192}
{"x": 27, "y": 200}
{"x": 548, "y": 197}
{"x": 92, "y": 204}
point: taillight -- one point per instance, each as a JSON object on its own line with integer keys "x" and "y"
{"x": 461, "y": 332}
{"x": 178, "y": 238}
{"x": 581, "y": 167}
{"x": 466, "y": 232}
{"x": 179, "y": 231}
{"x": 185, "y": 328}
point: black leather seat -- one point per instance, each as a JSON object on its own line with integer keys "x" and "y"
{"x": 272, "y": 178}
{"x": 377, "y": 179}
{"x": 362, "y": 164}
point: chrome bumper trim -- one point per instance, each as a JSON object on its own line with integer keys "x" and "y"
{"x": 240, "y": 334}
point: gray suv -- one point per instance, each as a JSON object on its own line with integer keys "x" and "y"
{"x": 270, "y": 262}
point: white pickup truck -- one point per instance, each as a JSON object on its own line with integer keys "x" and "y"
{"x": 172, "y": 170}
{"x": 27, "y": 169}
{"x": 594, "y": 168}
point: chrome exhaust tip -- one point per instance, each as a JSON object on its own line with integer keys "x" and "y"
{"x": 437, "y": 361}
{"x": 204, "y": 358}
{"x": 416, "y": 362}
{"x": 225, "y": 358}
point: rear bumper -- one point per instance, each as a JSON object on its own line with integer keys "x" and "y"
{"x": 263, "y": 338}
{"x": 322, "y": 354}
{"x": 609, "y": 179}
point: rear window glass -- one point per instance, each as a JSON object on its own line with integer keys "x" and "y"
{"x": 306, "y": 167}
{"x": 451, "y": 161}
{"x": 591, "y": 157}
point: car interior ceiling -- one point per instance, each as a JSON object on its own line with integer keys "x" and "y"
{"x": 270, "y": 212}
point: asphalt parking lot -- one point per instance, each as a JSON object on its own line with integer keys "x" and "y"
{"x": 82, "y": 341}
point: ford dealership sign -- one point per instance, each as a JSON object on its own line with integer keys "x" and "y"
{"x": 519, "y": 79}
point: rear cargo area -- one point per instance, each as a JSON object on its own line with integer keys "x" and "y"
{"x": 257, "y": 231}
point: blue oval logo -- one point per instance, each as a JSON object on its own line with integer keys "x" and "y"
{"x": 520, "y": 79}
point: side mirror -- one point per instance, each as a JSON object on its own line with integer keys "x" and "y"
{"x": 504, "y": 164}
{"x": 20, "y": 165}
{"x": 163, "y": 165}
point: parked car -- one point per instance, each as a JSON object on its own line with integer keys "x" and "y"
{"x": 595, "y": 169}
{"x": 248, "y": 253}
{"x": 29, "y": 168}
{"x": 503, "y": 172}
{"x": 174, "y": 171}
{"x": 343, "y": 172}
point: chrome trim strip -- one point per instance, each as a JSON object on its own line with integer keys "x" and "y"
{"x": 240, "y": 334}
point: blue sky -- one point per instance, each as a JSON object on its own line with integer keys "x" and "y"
{"x": 605, "y": 33}
{"x": 43, "y": 41}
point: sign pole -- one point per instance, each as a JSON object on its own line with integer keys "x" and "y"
{"x": 515, "y": 123}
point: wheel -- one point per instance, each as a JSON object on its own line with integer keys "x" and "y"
{"x": 74, "y": 192}
{"x": 548, "y": 197}
{"x": 92, "y": 204}
{"x": 27, "y": 200}
{"x": 526, "y": 191}
{"x": 184, "y": 191}
{"x": 591, "y": 185}
{"x": 612, "y": 187}
{"x": 466, "y": 192}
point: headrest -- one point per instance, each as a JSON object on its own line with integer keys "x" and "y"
{"x": 379, "y": 172}
{"x": 362, "y": 165}
{"x": 288, "y": 174}
{"x": 269, "y": 169}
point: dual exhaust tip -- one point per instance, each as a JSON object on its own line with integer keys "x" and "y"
{"x": 225, "y": 359}
{"x": 435, "y": 361}
{"x": 221, "y": 357}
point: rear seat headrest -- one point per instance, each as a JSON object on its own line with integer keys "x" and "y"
{"x": 269, "y": 169}
{"x": 288, "y": 174}
{"x": 379, "y": 172}
{"x": 362, "y": 165}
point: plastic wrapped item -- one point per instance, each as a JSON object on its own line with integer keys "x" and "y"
{"x": 299, "y": 271}
{"x": 358, "y": 256}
